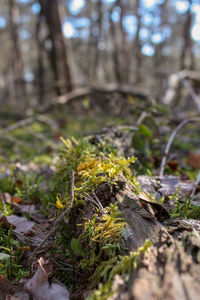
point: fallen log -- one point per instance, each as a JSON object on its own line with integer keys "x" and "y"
{"x": 81, "y": 93}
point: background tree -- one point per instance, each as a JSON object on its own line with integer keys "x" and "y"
{"x": 58, "y": 55}
{"x": 138, "y": 42}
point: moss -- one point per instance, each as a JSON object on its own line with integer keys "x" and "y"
{"x": 93, "y": 165}
{"x": 101, "y": 240}
{"x": 121, "y": 265}
{"x": 100, "y": 236}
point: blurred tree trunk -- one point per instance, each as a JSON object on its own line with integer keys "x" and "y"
{"x": 187, "y": 55}
{"x": 159, "y": 60}
{"x": 124, "y": 57}
{"x": 137, "y": 44}
{"x": 115, "y": 49}
{"x": 17, "y": 64}
{"x": 40, "y": 67}
{"x": 58, "y": 52}
{"x": 95, "y": 39}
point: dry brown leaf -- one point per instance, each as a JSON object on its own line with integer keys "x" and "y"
{"x": 19, "y": 183}
{"x": 16, "y": 200}
{"x": 20, "y": 224}
{"x": 6, "y": 197}
{"x": 173, "y": 164}
{"x": 40, "y": 289}
{"x": 194, "y": 159}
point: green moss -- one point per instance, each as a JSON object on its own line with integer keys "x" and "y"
{"x": 101, "y": 236}
{"x": 93, "y": 165}
{"x": 101, "y": 240}
{"x": 121, "y": 265}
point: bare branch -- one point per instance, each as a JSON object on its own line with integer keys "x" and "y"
{"x": 172, "y": 136}
{"x": 88, "y": 91}
{"x": 196, "y": 184}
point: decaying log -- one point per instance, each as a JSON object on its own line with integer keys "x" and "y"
{"x": 171, "y": 268}
{"x": 142, "y": 224}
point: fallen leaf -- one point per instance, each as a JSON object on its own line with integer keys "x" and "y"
{"x": 173, "y": 164}
{"x": 194, "y": 159}
{"x": 19, "y": 183}
{"x": 16, "y": 200}
{"x": 20, "y": 224}
{"x": 40, "y": 289}
{"x": 6, "y": 197}
{"x": 20, "y": 294}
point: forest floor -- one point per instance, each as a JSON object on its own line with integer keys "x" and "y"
{"x": 93, "y": 205}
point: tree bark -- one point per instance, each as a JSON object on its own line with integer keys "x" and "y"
{"x": 187, "y": 55}
{"x": 116, "y": 50}
{"x": 17, "y": 64}
{"x": 170, "y": 269}
{"x": 40, "y": 68}
{"x": 137, "y": 45}
{"x": 58, "y": 53}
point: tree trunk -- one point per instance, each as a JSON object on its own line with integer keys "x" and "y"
{"x": 58, "y": 53}
{"x": 137, "y": 46}
{"x": 17, "y": 64}
{"x": 40, "y": 68}
{"x": 95, "y": 39}
{"x": 187, "y": 55}
{"x": 116, "y": 50}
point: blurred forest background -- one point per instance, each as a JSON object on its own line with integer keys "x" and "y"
{"x": 50, "y": 47}
{"x": 118, "y": 82}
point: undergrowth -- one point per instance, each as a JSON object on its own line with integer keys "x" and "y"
{"x": 11, "y": 255}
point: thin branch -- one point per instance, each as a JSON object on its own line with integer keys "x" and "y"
{"x": 196, "y": 184}
{"x": 88, "y": 91}
{"x": 96, "y": 201}
{"x": 57, "y": 221}
{"x": 27, "y": 121}
{"x": 173, "y": 86}
{"x": 192, "y": 93}
{"x": 172, "y": 136}
{"x": 141, "y": 118}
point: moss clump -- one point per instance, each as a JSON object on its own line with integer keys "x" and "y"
{"x": 100, "y": 237}
{"x": 101, "y": 240}
{"x": 122, "y": 265}
{"x": 93, "y": 165}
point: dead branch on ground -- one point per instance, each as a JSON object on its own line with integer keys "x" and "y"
{"x": 77, "y": 94}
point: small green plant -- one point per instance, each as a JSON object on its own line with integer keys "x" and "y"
{"x": 11, "y": 251}
{"x": 184, "y": 209}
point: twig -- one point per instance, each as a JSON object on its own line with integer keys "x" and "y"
{"x": 172, "y": 136}
{"x": 196, "y": 184}
{"x": 27, "y": 121}
{"x": 58, "y": 220}
{"x": 141, "y": 118}
{"x": 194, "y": 96}
{"x": 88, "y": 91}
{"x": 173, "y": 85}
{"x": 96, "y": 201}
